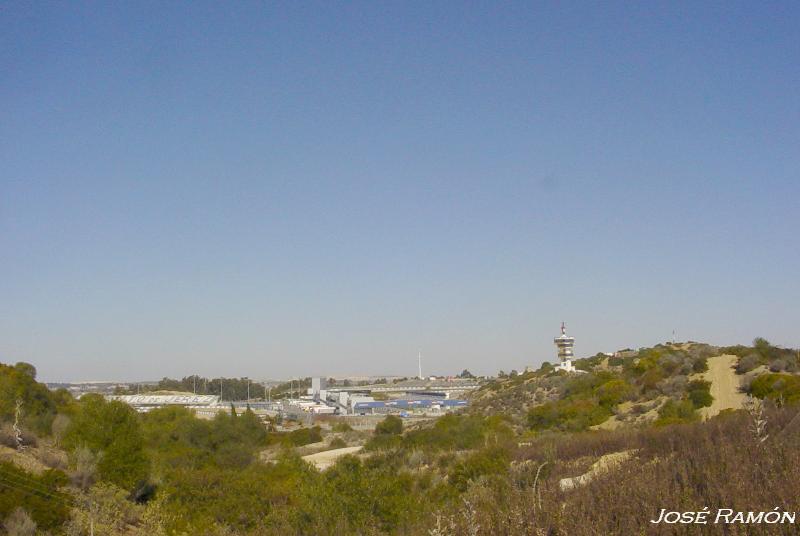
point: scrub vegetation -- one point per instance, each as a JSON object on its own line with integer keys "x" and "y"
{"x": 495, "y": 469}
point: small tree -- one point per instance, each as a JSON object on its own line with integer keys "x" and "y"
{"x": 111, "y": 430}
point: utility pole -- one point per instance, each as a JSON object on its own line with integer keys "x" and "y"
{"x": 194, "y": 384}
{"x": 248, "y": 390}
{"x": 419, "y": 357}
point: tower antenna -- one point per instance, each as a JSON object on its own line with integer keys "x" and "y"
{"x": 565, "y": 344}
{"x": 419, "y": 358}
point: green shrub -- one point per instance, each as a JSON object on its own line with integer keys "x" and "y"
{"x": 338, "y": 443}
{"x": 112, "y": 431}
{"x": 699, "y": 393}
{"x": 341, "y": 427}
{"x": 583, "y": 385}
{"x": 39, "y": 404}
{"x": 391, "y": 425}
{"x": 567, "y": 415}
{"x": 490, "y": 461}
{"x": 48, "y": 508}
{"x": 305, "y": 436}
{"x": 673, "y": 412}
{"x": 700, "y": 365}
{"x": 784, "y": 387}
{"x": 613, "y": 392}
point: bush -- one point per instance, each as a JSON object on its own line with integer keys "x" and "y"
{"x": 8, "y": 438}
{"x": 584, "y": 385}
{"x": 490, "y": 461}
{"x": 19, "y": 523}
{"x": 673, "y": 412}
{"x": 674, "y": 386}
{"x": 341, "y": 427}
{"x": 48, "y": 510}
{"x": 111, "y": 512}
{"x": 59, "y": 427}
{"x": 613, "y": 392}
{"x": 699, "y": 392}
{"x": 748, "y": 363}
{"x": 338, "y": 443}
{"x": 700, "y": 365}
{"x": 39, "y": 404}
{"x": 85, "y": 472}
{"x": 391, "y": 425}
{"x": 783, "y": 364}
{"x": 567, "y": 415}
{"x": 778, "y": 365}
{"x": 305, "y": 436}
{"x": 111, "y": 431}
{"x": 784, "y": 387}
{"x": 55, "y": 459}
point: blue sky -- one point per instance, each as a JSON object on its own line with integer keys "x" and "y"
{"x": 279, "y": 189}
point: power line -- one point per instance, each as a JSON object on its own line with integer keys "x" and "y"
{"x": 34, "y": 494}
{"x": 24, "y": 479}
{"x": 32, "y": 485}
{"x": 32, "y": 491}
{"x": 27, "y": 485}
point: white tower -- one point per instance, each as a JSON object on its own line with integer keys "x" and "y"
{"x": 565, "y": 345}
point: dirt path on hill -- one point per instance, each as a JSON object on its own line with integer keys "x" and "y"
{"x": 605, "y": 463}
{"x": 724, "y": 385}
{"x": 323, "y": 460}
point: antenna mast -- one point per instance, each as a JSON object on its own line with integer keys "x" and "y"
{"x": 419, "y": 358}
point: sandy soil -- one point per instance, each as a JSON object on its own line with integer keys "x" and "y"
{"x": 605, "y": 463}
{"x": 724, "y": 385}
{"x": 323, "y": 460}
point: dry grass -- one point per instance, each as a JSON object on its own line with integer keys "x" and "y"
{"x": 720, "y": 463}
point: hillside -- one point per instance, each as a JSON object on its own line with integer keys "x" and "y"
{"x": 539, "y": 453}
{"x": 664, "y": 384}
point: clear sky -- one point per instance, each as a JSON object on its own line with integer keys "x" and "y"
{"x": 293, "y": 188}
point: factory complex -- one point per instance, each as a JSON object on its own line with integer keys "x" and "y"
{"x": 406, "y": 398}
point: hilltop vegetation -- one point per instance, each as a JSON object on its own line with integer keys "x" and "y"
{"x": 493, "y": 470}
{"x": 662, "y": 381}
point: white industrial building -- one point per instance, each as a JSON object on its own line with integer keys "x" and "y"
{"x": 146, "y": 402}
